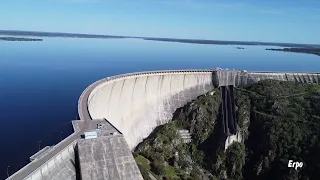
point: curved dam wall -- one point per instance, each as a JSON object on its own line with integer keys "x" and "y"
{"x": 137, "y": 103}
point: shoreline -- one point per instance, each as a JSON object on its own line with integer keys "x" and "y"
{"x": 176, "y": 40}
{"x": 19, "y": 39}
{"x": 313, "y": 51}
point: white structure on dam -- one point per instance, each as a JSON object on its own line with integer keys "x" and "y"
{"x": 135, "y": 104}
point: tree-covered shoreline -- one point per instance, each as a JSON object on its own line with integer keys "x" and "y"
{"x": 315, "y": 51}
{"x": 279, "y": 121}
{"x": 19, "y": 39}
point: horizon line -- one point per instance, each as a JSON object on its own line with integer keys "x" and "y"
{"x": 10, "y": 32}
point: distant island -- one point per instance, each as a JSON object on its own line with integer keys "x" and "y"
{"x": 315, "y": 51}
{"x": 19, "y": 39}
{"x": 54, "y": 34}
{"x": 248, "y": 43}
{"x": 193, "y": 41}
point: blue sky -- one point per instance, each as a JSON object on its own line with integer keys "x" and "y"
{"x": 258, "y": 20}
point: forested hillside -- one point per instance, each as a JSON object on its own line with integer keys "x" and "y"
{"x": 279, "y": 121}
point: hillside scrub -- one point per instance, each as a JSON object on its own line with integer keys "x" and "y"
{"x": 279, "y": 121}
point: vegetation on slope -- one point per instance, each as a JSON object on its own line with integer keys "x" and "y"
{"x": 279, "y": 121}
{"x": 285, "y": 126}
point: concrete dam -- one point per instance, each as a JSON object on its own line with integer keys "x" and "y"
{"x": 133, "y": 105}
{"x": 137, "y": 103}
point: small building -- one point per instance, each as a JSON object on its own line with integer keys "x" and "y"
{"x": 90, "y": 135}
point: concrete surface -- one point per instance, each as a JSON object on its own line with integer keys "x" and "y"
{"x": 40, "y": 153}
{"x": 107, "y": 158}
{"x": 106, "y": 130}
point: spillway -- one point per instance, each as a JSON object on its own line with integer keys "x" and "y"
{"x": 229, "y": 122}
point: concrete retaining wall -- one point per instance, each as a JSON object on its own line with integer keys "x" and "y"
{"x": 59, "y": 166}
{"x": 107, "y": 158}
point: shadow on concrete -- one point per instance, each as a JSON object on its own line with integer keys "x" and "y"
{"x": 76, "y": 163}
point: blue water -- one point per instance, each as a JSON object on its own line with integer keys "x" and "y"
{"x": 40, "y": 82}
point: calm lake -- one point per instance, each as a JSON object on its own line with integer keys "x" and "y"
{"x": 40, "y": 82}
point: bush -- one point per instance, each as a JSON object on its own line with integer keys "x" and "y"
{"x": 158, "y": 167}
{"x": 144, "y": 173}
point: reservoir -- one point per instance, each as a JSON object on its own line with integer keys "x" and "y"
{"x": 40, "y": 82}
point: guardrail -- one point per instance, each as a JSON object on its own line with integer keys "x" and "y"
{"x": 20, "y": 172}
{"x": 85, "y": 96}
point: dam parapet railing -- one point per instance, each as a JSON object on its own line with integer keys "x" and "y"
{"x": 113, "y": 79}
{"x": 163, "y": 72}
{"x": 38, "y": 168}
{"x": 253, "y": 75}
{"x": 95, "y": 86}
